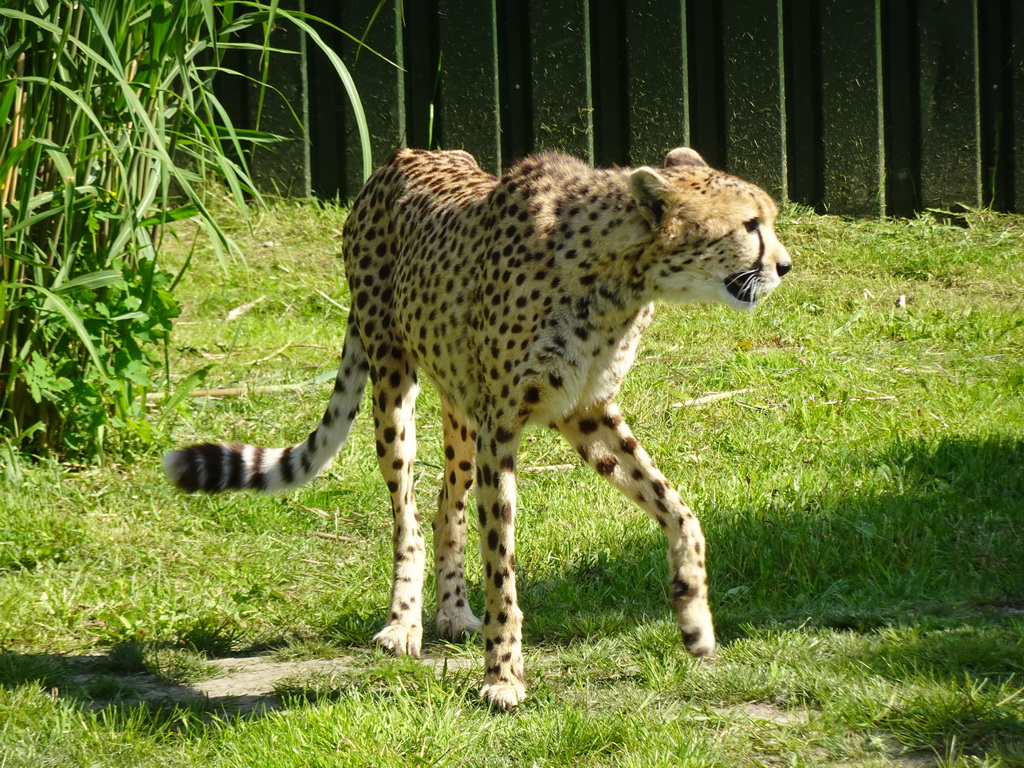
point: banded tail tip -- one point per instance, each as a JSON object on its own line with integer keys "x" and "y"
{"x": 208, "y": 467}
{"x": 180, "y": 471}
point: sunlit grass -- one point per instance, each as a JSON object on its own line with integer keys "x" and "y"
{"x": 861, "y": 489}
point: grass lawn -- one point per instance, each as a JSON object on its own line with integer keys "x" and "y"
{"x": 861, "y": 489}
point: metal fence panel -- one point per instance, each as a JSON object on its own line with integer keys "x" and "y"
{"x": 469, "y": 108}
{"x": 656, "y": 107}
{"x": 852, "y": 141}
{"x": 949, "y": 103}
{"x": 562, "y": 95}
{"x": 755, "y": 110}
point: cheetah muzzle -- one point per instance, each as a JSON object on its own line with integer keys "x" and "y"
{"x": 523, "y": 299}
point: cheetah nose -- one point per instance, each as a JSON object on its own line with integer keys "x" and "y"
{"x": 782, "y": 267}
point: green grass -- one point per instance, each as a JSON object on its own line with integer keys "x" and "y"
{"x": 863, "y": 504}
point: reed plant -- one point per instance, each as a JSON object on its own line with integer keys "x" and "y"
{"x": 110, "y": 129}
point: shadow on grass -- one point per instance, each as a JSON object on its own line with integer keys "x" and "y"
{"x": 922, "y": 562}
{"x": 97, "y": 685}
{"x": 939, "y": 533}
{"x": 238, "y": 686}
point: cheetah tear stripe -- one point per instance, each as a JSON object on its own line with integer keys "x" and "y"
{"x": 232, "y": 466}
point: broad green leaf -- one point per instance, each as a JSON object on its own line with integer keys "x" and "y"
{"x": 180, "y": 213}
{"x": 56, "y": 303}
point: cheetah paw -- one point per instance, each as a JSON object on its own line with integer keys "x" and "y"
{"x": 503, "y": 696}
{"x": 400, "y": 639}
{"x": 455, "y": 626}
{"x": 700, "y": 645}
{"x": 699, "y": 638}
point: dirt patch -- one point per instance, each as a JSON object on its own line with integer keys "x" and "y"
{"x": 765, "y": 712}
{"x": 246, "y": 685}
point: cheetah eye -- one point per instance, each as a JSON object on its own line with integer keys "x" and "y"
{"x": 752, "y": 225}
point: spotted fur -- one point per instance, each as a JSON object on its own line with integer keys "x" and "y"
{"x": 523, "y": 299}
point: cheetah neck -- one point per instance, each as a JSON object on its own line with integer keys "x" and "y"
{"x": 599, "y": 239}
{"x": 608, "y": 218}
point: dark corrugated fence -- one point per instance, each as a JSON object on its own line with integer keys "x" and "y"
{"x": 856, "y": 107}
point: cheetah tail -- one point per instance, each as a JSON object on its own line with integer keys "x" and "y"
{"x": 224, "y": 466}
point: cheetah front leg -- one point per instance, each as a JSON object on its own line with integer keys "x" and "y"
{"x": 454, "y": 616}
{"x": 504, "y": 685}
{"x": 604, "y": 440}
{"x": 394, "y": 398}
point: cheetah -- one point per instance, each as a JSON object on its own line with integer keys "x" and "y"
{"x": 523, "y": 300}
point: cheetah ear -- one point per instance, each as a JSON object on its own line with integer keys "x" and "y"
{"x": 684, "y": 156}
{"x": 649, "y": 190}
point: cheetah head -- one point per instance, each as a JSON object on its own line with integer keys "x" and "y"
{"x": 711, "y": 235}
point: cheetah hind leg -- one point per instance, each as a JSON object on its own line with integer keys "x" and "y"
{"x": 395, "y": 382}
{"x": 455, "y": 618}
